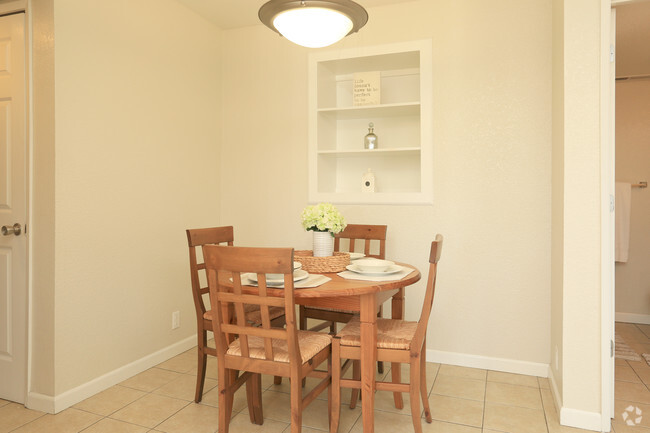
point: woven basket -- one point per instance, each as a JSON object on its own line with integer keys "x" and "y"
{"x": 335, "y": 263}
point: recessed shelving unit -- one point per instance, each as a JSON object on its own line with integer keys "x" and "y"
{"x": 402, "y": 163}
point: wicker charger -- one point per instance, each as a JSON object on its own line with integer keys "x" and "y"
{"x": 335, "y": 263}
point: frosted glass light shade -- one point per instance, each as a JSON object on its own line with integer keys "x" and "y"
{"x": 313, "y": 23}
{"x": 313, "y": 27}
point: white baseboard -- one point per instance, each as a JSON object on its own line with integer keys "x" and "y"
{"x": 73, "y": 396}
{"x": 488, "y": 363}
{"x": 40, "y": 402}
{"x": 574, "y": 417}
{"x": 643, "y": 319}
{"x": 557, "y": 398}
{"x": 581, "y": 419}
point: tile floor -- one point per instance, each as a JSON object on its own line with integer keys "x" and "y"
{"x": 463, "y": 400}
{"x": 631, "y": 388}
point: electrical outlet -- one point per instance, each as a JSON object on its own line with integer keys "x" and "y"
{"x": 176, "y": 319}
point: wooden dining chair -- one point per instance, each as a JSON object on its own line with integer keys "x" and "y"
{"x": 198, "y": 238}
{"x": 265, "y": 349}
{"x": 398, "y": 341}
{"x": 369, "y": 234}
{"x": 374, "y": 245}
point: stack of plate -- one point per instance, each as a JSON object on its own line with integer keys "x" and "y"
{"x": 372, "y": 266}
{"x": 278, "y": 279}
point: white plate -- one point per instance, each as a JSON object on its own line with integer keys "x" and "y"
{"x": 354, "y": 256}
{"x": 391, "y": 270}
{"x": 298, "y": 275}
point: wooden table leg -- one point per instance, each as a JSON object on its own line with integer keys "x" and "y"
{"x": 397, "y": 305}
{"x": 397, "y": 308}
{"x": 368, "y": 318}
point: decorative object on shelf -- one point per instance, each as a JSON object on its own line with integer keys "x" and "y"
{"x": 366, "y": 88}
{"x": 313, "y": 23}
{"x": 325, "y": 221}
{"x": 370, "y": 140}
{"x": 368, "y": 182}
{"x": 336, "y": 263}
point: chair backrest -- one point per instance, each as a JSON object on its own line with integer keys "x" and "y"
{"x": 198, "y": 238}
{"x": 364, "y": 232}
{"x": 225, "y": 267}
{"x": 434, "y": 257}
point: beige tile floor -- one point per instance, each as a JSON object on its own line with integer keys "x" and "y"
{"x": 463, "y": 400}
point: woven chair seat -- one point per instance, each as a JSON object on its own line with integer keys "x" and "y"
{"x": 310, "y": 344}
{"x": 391, "y": 334}
{"x": 253, "y": 314}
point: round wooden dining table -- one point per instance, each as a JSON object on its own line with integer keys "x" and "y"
{"x": 364, "y": 297}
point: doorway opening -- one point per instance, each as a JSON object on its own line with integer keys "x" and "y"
{"x": 632, "y": 245}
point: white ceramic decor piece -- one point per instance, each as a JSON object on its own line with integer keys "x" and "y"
{"x": 323, "y": 244}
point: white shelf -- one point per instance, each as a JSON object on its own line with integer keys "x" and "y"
{"x": 392, "y": 110}
{"x": 403, "y": 161}
{"x": 381, "y": 153}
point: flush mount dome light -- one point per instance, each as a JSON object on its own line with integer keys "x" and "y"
{"x": 313, "y": 23}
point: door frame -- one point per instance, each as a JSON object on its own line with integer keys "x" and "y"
{"x": 9, "y": 8}
{"x": 608, "y": 164}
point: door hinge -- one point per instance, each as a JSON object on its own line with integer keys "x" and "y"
{"x": 611, "y": 348}
{"x": 612, "y": 203}
{"x": 611, "y": 53}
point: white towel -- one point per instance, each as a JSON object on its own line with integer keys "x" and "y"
{"x": 622, "y": 221}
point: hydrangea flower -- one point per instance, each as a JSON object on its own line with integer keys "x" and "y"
{"x": 322, "y": 217}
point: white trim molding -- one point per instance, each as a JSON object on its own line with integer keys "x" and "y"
{"x": 56, "y": 404}
{"x": 573, "y": 417}
{"x": 488, "y": 363}
{"x": 580, "y": 419}
{"x": 643, "y": 319}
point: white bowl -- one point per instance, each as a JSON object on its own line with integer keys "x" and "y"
{"x": 373, "y": 265}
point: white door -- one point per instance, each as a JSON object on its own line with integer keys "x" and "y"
{"x": 13, "y": 210}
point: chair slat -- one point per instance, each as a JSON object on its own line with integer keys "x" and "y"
{"x": 273, "y": 333}
{"x": 250, "y": 299}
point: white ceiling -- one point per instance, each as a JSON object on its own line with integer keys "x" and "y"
{"x": 230, "y": 14}
{"x": 633, "y": 28}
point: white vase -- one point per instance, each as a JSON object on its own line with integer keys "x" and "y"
{"x": 323, "y": 244}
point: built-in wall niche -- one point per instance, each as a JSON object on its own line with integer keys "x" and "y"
{"x": 402, "y": 163}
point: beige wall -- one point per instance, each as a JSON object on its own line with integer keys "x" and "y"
{"x": 136, "y": 144}
{"x": 632, "y": 38}
{"x": 633, "y": 165}
{"x": 492, "y": 167}
{"x": 138, "y": 121}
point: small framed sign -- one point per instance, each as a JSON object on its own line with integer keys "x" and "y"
{"x": 366, "y": 89}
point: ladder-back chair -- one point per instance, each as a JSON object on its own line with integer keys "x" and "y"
{"x": 369, "y": 234}
{"x": 265, "y": 349}
{"x": 398, "y": 341}
{"x": 198, "y": 238}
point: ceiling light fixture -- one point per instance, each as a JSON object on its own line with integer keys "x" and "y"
{"x": 313, "y": 23}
